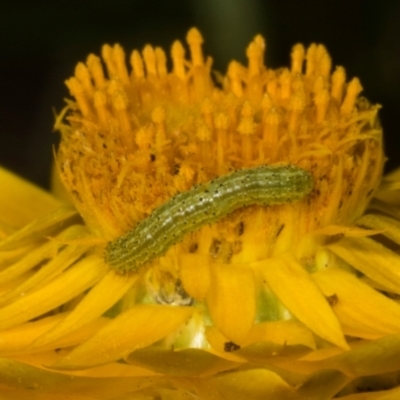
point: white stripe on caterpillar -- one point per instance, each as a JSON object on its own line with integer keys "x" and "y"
{"x": 205, "y": 204}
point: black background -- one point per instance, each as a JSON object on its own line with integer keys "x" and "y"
{"x": 41, "y": 42}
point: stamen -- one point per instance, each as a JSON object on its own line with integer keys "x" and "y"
{"x": 161, "y": 61}
{"x": 272, "y": 124}
{"x": 120, "y": 103}
{"x": 353, "y": 90}
{"x": 272, "y": 88}
{"x": 118, "y": 56}
{"x": 194, "y": 40}
{"x": 200, "y": 70}
{"x": 204, "y": 135}
{"x": 325, "y": 65}
{"x": 144, "y": 138}
{"x": 158, "y": 117}
{"x": 319, "y": 84}
{"x": 221, "y": 126}
{"x": 234, "y": 73}
{"x": 247, "y": 128}
{"x": 297, "y": 56}
{"x": 296, "y": 107}
{"x": 298, "y": 83}
{"x": 254, "y": 56}
{"x": 77, "y": 91}
{"x": 338, "y": 80}
{"x": 100, "y": 104}
{"x": 106, "y": 53}
{"x": 150, "y": 61}
{"x": 207, "y": 108}
{"x": 96, "y": 70}
{"x": 266, "y": 104}
{"x": 321, "y": 101}
{"x": 310, "y": 57}
{"x": 285, "y": 84}
{"x": 137, "y": 65}
{"x": 83, "y": 75}
{"x": 178, "y": 60}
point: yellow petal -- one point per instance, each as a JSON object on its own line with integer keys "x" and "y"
{"x": 393, "y": 394}
{"x": 57, "y": 187}
{"x": 41, "y": 358}
{"x": 362, "y": 311}
{"x": 385, "y": 207}
{"x": 48, "y": 225}
{"x": 23, "y": 394}
{"x": 371, "y": 258}
{"x": 390, "y": 227}
{"x": 29, "y": 261}
{"x": 195, "y": 274}
{"x": 137, "y": 327}
{"x": 376, "y": 357}
{"x": 268, "y": 353}
{"x": 301, "y": 296}
{"x": 58, "y": 262}
{"x": 393, "y": 175}
{"x": 20, "y": 337}
{"x": 354, "y": 231}
{"x": 30, "y": 381}
{"x": 21, "y": 202}
{"x": 366, "y": 358}
{"x": 389, "y": 190}
{"x": 255, "y": 384}
{"x": 258, "y": 351}
{"x": 64, "y": 259}
{"x": 18, "y": 340}
{"x": 65, "y": 287}
{"x": 281, "y": 332}
{"x": 102, "y": 296}
{"x": 62, "y": 346}
{"x": 221, "y": 346}
{"x": 232, "y": 300}
{"x": 323, "y": 385}
{"x": 9, "y": 257}
{"x": 187, "y": 362}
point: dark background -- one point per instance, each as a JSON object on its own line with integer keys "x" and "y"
{"x": 41, "y": 42}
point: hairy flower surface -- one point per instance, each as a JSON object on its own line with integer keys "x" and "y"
{"x": 292, "y": 301}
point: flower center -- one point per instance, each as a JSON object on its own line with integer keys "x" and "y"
{"x": 138, "y": 137}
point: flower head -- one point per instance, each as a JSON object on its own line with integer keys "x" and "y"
{"x": 288, "y": 300}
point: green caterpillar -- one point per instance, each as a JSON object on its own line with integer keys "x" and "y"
{"x": 205, "y": 204}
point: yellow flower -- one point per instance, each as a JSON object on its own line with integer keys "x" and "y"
{"x": 291, "y": 301}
